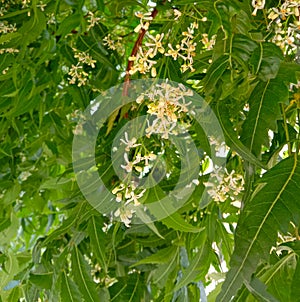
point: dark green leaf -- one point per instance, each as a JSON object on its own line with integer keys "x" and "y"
{"x": 82, "y": 277}
{"x": 97, "y": 238}
{"x": 69, "y": 290}
{"x": 266, "y": 61}
{"x": 271, "y": 208}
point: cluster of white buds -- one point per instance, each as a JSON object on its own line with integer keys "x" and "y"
{"x": 77, "y": 73}
{"x": 177, "y": 14}
{"x": 286, "y": 9}
{"x": 167, "y": 105}
{"x": 127, "y": 193}
{"x": 220, "y": 187}
{"x": 139, "y": 163}
{"x": 143, "y": 61}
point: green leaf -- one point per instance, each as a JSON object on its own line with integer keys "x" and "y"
{"x": 69, "y": 290}
{"x": 83, "y": 277}
{"x": 97, "y": 239}
{"x": 232, "y": 139}
{"x": 31, "y": 29}
{"x": 162, "y": 256}
{"x": 9, "y": 269}
{"x": 266, "y": 61}
{"x": 264, "y": 113}
{"x": 242, "y": 48}
{"x": 258, "y": 290}
{"x": 129, "y": 288}
{"x": 176, "y": 222}
{"x": 164, "y": 272}
{"x": 272, "y": 206}
{"x": 15, "y": 295}
{"x": 68, "y": 24}
{"x": 295, "y": 288}
{"x": 9, "y": 36}
{"x": 4, "y": 223}
{"x": 226, "y": 10}
{"x": 42, "y": 280}
{"x": 67, "y": 224}
{"x": 111, "y": 121}
{"x": 214, "y": 73}
{"x": 195, "y": 271}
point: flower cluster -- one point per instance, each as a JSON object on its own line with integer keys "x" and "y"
{"x": 144, "y": 60}
{"x": 92, "y": 20}
{"x": 85, "y": 58}
{"x": 286, "y": 23}
{"x": 167, "y": 105}
{"x": 208, "y": 44}
{"x": 8, "y": 50}
{"x": 186, "y": 48}
{"x": 6, "y": 28}
{"x": 77, "y": 73}
{"x": 113, "y": 43}
{"x": 140, "y": 163}
{"x": 220, "y": 187}
{"x": 127, "y": 193}
{"x": 127, "y": 196}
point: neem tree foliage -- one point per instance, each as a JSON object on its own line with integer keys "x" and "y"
{"x": 241, "y": 242}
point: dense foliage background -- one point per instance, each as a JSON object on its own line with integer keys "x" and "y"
{"x": 243, "y": 58}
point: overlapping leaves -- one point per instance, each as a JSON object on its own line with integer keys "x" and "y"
{"x": 272, "y": 207}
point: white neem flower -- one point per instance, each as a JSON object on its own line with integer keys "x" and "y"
{"x": 257, "y": 4}
{"x": 129, "y": 165}
{"x": 135, "y": 197}
{"x": 155, "y": 45}
{"x": 130, "y": 143}
{"x": 177, "y": 14}
{"x": 125, "y": 215}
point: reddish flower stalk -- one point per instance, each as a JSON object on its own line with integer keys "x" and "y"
{"x": 134, "y": 51}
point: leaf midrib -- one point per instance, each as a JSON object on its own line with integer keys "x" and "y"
{"x": 98, "y": 243}
{"x": 68, "y": 287}
{"x": 81, "y": 274}
{"x": 258, "y": 115}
